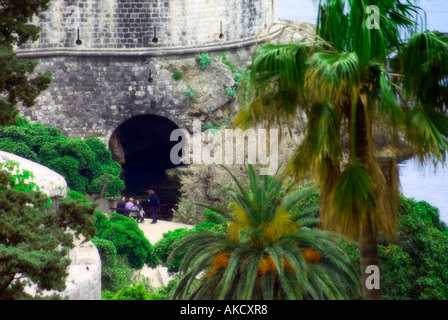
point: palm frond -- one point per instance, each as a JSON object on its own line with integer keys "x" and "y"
{"x": 273, "y": 86}
{"x": 330, "y": 76}
{"x": 289, "y": 285}
{"x": 425, "y": 66}
{"x": 295, "y": 258}
{"x": 427, "y": 132}
{"x": 251, "y": 275}
{"x": 231, "y": 271}
{"x": 296, "y": 197}
{"x": 330, "y": 20}
{"x": 352, "y": 198}
{"x": 267, "y": 285}
{"x": 320, "y": 149}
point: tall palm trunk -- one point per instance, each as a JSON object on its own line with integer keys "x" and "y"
{"x": 368, "y": 255}
{"x": 368, "y": 247}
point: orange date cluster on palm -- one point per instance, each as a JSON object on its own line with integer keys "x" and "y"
{"x": 267, "y": 264}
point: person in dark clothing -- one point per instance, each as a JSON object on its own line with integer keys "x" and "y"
{"x": 121, "y": 204}
{"x": 154, "y": 204}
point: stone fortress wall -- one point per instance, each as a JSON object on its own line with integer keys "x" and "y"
{"x": 102, "y": 82}
{"x": 128, "y": 24}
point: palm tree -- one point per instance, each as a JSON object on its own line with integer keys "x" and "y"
{"x": 351, "y": 81}
{"x": 266, "y": 251}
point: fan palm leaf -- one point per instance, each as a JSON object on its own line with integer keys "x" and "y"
{"x": 349, "y": 81}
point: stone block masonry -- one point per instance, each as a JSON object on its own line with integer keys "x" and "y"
{"x": 102, "y": 82}
{"x": 92, "y": 96}
{"x": 118, "y": 24}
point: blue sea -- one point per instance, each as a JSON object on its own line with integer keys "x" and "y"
{"x": 416, "y": 181}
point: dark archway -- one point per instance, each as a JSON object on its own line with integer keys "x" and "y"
{"x": 142, "y": 146}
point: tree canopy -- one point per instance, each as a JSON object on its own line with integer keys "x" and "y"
{"x": 34, "y": 241}
{"x": 18, "y": 81}
{"x": 87, "y": 165}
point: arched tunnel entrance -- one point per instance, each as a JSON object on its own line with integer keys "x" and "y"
{"x": 142, "y": 146}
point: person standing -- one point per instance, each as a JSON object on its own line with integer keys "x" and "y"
{"x": 154, "y": 204}
{"x": 121, "y": 204}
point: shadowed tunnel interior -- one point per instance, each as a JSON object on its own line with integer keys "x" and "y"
{"x": 142, "y": 146}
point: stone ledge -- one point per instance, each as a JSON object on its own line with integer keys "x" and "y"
{"x": 144, "y": 52}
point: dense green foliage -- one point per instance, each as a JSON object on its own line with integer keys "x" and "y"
{"x": 115, "y": 270}
{"x": 127, "y": 238}
{"x": 164, "y": 246}
{"x": 415, "y": 266}
{"x": 17, "y": 82}
{"x": 34, "y": 241}
{"x": 139, "y": 291}
{"x": 136, "y": 291}
{"x": 86, "y": 165}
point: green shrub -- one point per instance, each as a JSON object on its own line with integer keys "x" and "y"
{"x": 212, "y": 125}
{"x": 177, "y": 75}
{"x": 231, "y": 92}
{"x": 237, "y": 76}
{"x": 164, "y": 247}
{"x": 128, "y": 239}
{"x": 18, "y": 147}
{"x": 204, "y": 60}
{"x": 115, "y": 270}
{"x": 190, "y": 93}
{"x": 112, "y": 185}
{"x": 75, "y": 195}
{"x": 415, "y": 266}
{"x": 135, "y": 291}
{"x": 227, "y": 62}
{"x": 213, "y": 217}
{"x": 86, "y": 165}
{"x": 165, "y": 292}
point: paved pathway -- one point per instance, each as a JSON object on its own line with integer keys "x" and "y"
{"x": 154, "y": 232}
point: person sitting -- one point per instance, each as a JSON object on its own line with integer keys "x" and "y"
{"x": 137, "y": 212}
{"x": 129, "y": 206}
{"x": 121, "y": 204}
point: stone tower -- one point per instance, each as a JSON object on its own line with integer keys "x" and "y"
{"x": 113, "y": 63}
